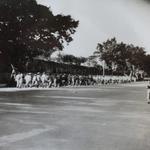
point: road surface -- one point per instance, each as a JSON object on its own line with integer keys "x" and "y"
{"x": 115, "y": 117}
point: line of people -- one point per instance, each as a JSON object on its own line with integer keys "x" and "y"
{"x": 45, "y": 80}
{"x": 106, "y": 80}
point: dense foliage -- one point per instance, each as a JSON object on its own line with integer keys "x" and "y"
{"x": 28, "y": 29}
{"x": 71, "y": 59}
{"x": 123, "y": 58}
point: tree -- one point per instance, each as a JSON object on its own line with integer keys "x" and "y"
{"x": 105, "y": 51}
{"x": 110, "y": 52}
{"x": 126, "y": 58}
{"x": 135, "y": 59}
{"x": 71, "y": 59}
{"x": 136, "y": 55}
{"x": 28, "y": 29}
{"x": 79, "y": 60}
{"x": 68, "y": 59}
{"x": 146, "y": 61}
{"x": 91, "y": 61}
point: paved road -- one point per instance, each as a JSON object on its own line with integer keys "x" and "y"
{"x": 99, "y": 118}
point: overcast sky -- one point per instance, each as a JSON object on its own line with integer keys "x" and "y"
{"x": 127, "y": 20}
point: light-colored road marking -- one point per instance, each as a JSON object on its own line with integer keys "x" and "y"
{"x": 22, "y": 111}
{"x": 15, "y": 104}
{"x": 8, "y": 139}
{"x": 65, "y": 97}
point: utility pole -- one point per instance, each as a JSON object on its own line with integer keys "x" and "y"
{"x": 103, "y": 65}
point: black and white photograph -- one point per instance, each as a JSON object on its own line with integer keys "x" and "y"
{"x": 74, "y": 74}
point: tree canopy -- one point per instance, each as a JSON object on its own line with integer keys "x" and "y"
{"x": 71, "y": 59}
{"x": 28, "y": 29}
{"x": 125, "y": 58}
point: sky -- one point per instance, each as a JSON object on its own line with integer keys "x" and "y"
{"x": 127, "y": 20}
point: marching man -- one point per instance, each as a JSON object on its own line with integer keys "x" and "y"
{"x": 28, "y": 80}
{"x": 19, "y": 80}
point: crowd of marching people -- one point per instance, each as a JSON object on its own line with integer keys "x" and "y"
{"x": 45, "y": 80}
